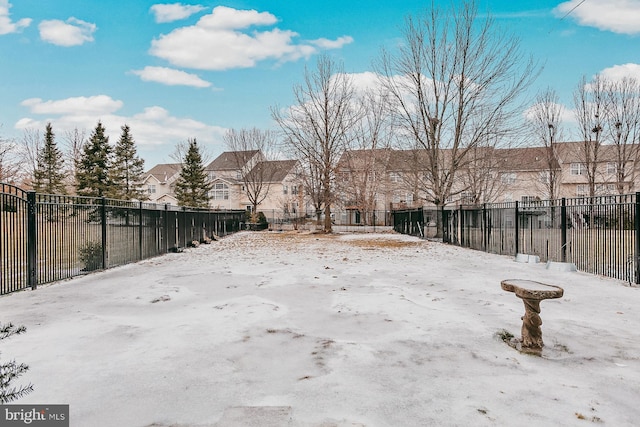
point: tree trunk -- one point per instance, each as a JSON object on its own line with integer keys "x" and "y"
{"x": 327, "y": 218}
{"x": 439, "y": 224}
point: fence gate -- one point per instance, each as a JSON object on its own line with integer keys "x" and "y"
{"x": 17, "y": 232}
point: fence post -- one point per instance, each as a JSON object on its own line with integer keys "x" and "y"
{"x": 517, "y": 228}
{"x": 32, "y": 236}
{"x": 637, "y": 238}
{"x": 563, "y": 226}
{"x": 445, "y": 225}
{"x": 485, "y": 231}
{"x": 140, "y": 228}
{"x": 103, "y": 220}
{"x": 165, "y": 246}
{"x": 461, "y": 226}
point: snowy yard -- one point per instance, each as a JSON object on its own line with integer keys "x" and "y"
{"x": 346, "y": 330}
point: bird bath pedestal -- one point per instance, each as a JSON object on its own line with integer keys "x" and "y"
{"x": 531, "y": 293}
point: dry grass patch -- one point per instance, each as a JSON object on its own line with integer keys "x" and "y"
{"x": 384, "y": 243}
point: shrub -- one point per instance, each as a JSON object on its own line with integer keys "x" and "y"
{"x": 261, "y": 219}
{"x": 91, "y": 256}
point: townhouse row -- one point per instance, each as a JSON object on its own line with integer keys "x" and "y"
{"x": 383, "y": 179}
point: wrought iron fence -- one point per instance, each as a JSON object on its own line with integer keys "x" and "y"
{"x": 342, "y": 219}
{"x": 45, "y": 237}
{"x": 598, "y": 234}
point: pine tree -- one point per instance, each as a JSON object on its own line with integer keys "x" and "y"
{"x": 127, "y": 169}
{"x": 192, "y": 187}
{"x": 92, "y": 169}
{"x": 11, "y": 370}
{"x": 49, "y": 176}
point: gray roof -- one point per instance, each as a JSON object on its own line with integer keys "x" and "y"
{"x": 273, "y": 170}
{"x": 164, "y": 171}
{"x": 231, "y": 160}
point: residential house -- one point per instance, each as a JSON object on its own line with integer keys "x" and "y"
{"x": 159, "y": 182}
{"x": 524, "y": 174}
{"x": 280, "y": 188}
{"x": 400, "y": 179}
{"x": 232, "y": 175}
{"x": 226, "y": 174}
{"x": 615, "y": 171}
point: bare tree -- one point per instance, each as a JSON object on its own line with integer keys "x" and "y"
{"x": 29, "y": 146}
{"x": 455, "y": 82}
{"x": 546, "y": 127}
{"x": 362, "y": 170}
{"x": 318, "y": 127}
{"x": 623, "y": 127}
{"x": 73, "y": 143}
{"x": 310, "y": 174}
{"x": 8, "y": 165}
{"x": 245, "y": 145}
{"x": 481, "y": 175}
{"x": 590, "y": 106}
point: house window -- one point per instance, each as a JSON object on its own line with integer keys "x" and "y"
{"x": 582, "y": 190}
{"x": 399, "y": 197}
{"x": 285, "y": 189}
{"x": 394, "y": 177}
{"x": 294, "y": 190}
{"x": 508, "y": 198}
{"x": 151, "y": 188}
{"x": 238, "y": 175}
{"x": 545, "y": 177}
{"x": 508, "y": 178}
{"x": 612, "y": 168}
{"x": 220, "y": 191}
{"x": 466, "y": 198}
{"x": 605, "y": 189}
{"x": 528, "y": 199}
{"x": 578, "y": 169}
{"x": 371, "y": 177}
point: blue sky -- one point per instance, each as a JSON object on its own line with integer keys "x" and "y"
{"x": 173, "y": 71}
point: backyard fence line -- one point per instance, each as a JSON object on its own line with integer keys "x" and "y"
{"x": 44, "y": 238}
{"x": 600, "y": 235}
{"x": 343, "y": 220}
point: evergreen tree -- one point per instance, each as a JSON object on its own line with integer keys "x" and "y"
{"x": 127, "y": 169}
{"x": 192, "y": 187}
{"x": 48, "y": 177}
{"x": 11, "y": 370}
{"x": 92, "y": 169}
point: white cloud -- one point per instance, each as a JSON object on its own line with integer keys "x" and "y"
{"x": 169, "y": 76}
{"x": 216, "y": 42}
{"x": 174, "y": 12}
{"x": 155, "y": 130}
{"x": 332, "y": 44}
{"x": 618, "y": 72}
{"x": 7, "y": 26}
{"x": 567, "y": 115}
{"x": 365, "y": 81}
{"x": 94, "y": 105}
{"x": 73, "y": 32}
{"x": 618, "y": 16}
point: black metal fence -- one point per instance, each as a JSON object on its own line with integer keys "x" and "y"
{"x": 44, "y": 238}
{"x": 600, "y": 235}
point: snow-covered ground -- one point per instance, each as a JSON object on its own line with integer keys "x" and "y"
{"x": 340, "y": 330}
